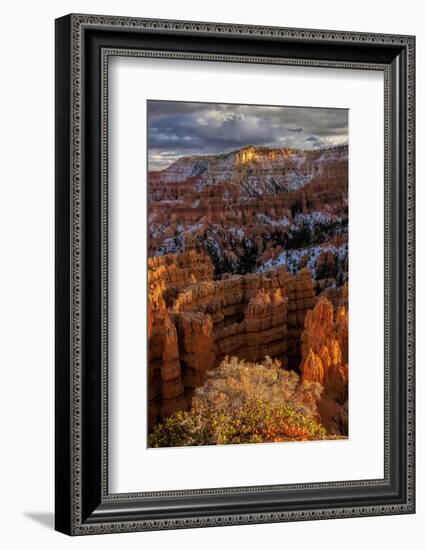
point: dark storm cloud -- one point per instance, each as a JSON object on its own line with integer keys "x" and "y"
{"x": 184, "y": 128}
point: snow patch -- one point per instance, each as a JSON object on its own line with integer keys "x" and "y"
{"x": 297, "y": 180}
{"x": 292, "y": 258}
{"x": 315, "y": 218}
{"x": 267, "y": 220}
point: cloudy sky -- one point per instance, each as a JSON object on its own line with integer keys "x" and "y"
{"x": 178, "y": 129}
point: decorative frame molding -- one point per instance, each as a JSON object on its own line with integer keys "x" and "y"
{"x": 84, "y": 43}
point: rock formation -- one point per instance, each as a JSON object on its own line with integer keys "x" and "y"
{"x": 255, "y": 207}
{"x": 247, "y": 251}
{"x": 249, "y": 316}
{"x": 165, "y": 388}
{"x": 167, "y": 275}
{"x": 325, "y": 360}
{"x": 196, "y": 341}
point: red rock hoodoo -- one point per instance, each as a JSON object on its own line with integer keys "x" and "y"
{"x": 325, "y": 360}
{"x": 249, "y": 316}
{"x": 248, "y": 256}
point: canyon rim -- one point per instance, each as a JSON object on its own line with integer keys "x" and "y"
{"x": 248, "y": 312}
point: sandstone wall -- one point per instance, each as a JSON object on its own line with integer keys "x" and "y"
{"x": 249, "y": 316}
{"x": 325, "y": 360}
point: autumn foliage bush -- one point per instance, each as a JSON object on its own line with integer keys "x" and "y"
{"x": 244, "y": 402}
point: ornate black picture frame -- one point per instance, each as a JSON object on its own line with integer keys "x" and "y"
{"x": 83, "y": 45}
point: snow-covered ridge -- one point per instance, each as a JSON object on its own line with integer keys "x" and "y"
{"x": 292, "y": 258}
{"x": 260, "y": 171}
{"x": 296, "y": 180}
{"x": 267, "y": 220}
{"x": 315, "y": 218}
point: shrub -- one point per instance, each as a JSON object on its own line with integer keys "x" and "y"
{"x": 243, "y": 402}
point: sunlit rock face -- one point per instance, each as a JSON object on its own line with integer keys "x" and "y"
{"x": 249, "y": 316}
{"x": 255, "y": 171}
{"x": 248, "y": 257}
{"x": 325, "y": 360}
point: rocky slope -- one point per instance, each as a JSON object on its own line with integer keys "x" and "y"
{"x": 249, "y": 316}
{"x": 253, "y": 208}
{"x": 325, "y": 360}
{"x": 248, "y": 257}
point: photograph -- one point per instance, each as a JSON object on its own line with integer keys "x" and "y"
{"x": 247, "y": 273}
{"x": 235, "y": 264}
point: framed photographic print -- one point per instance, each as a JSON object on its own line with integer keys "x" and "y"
{"x": 234, "y": 274}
